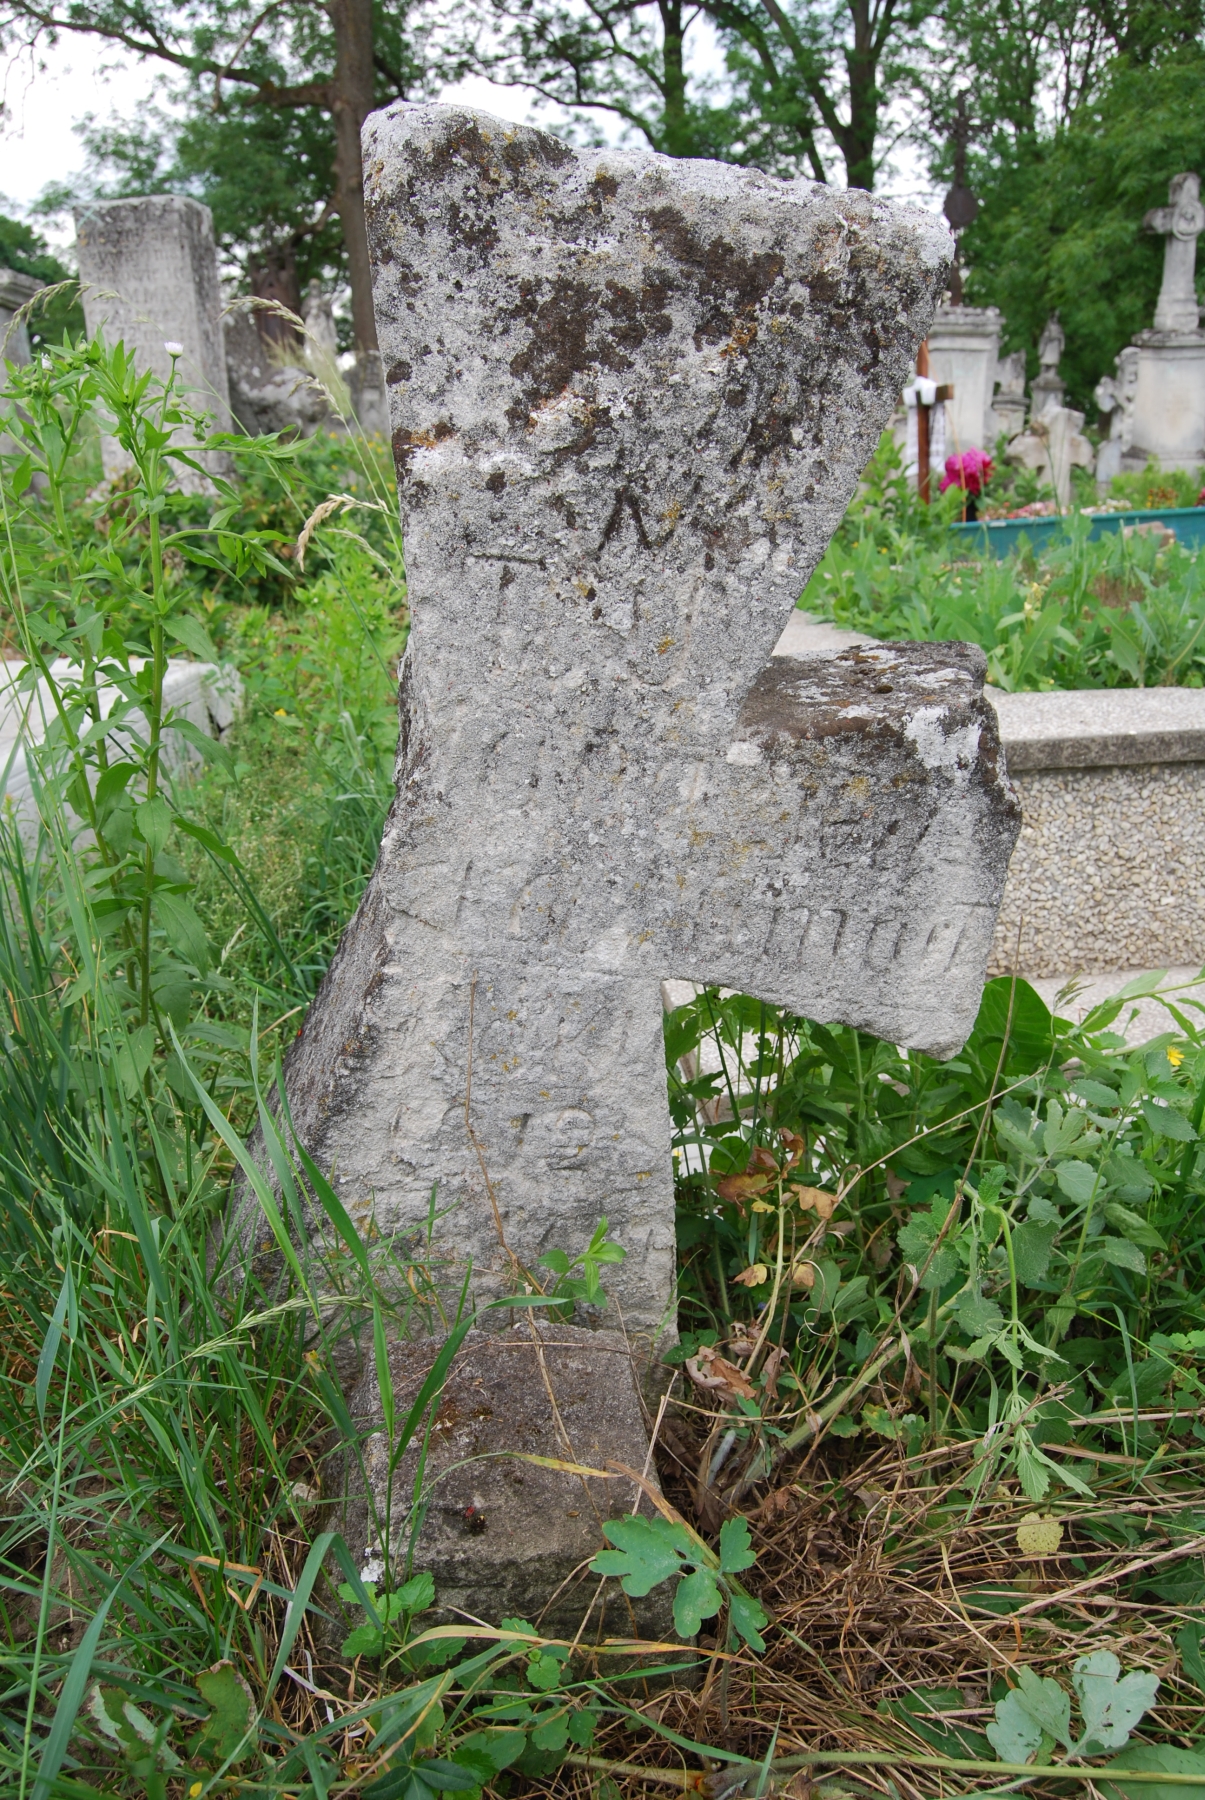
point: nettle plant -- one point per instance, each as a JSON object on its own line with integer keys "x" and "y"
{"x": 98, "y": 591}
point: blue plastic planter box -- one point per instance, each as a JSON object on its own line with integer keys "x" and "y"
{"x": 1003, "y": 536}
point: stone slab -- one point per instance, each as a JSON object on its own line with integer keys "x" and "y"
{"x": 805, "y": 635}
{"x": 631, "y": 398}
{"x": 208, "y": 695}
{"x": 500, "y": 1535}
{"x": 1096, "y": 728}
{"x": 149, "y": 276}
{"x": 1107, "y": 871}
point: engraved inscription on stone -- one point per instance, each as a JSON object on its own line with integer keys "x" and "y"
{"x": 631, "y": 398}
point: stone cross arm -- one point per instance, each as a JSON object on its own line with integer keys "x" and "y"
{"x": 1180, "y": 223}
{"x": 631, "y": 398}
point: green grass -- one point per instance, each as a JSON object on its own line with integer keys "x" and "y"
{"x": 981, "y": 1260}
{"x": 1115, "y": 612}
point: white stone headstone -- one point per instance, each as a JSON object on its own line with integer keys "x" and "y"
{"x": 149, "y": 275}
{"x": 16, "y": 291}
{"x": 964, "y": 348}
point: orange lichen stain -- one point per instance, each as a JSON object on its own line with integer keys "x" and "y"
{"x": 741, "y": 338}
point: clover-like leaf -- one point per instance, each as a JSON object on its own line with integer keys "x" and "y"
{"x": 736, "y": 1552}
{"x": 648, "y": 1552}
{"x": 749, "y": 1619}
{"x": 1014, "y": 1734}
{"x": 696, "y": 1597}
{"x": 543, "y": 1674}
{"x": 1110, "y": 1703}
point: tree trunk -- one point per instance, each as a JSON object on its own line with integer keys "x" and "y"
{"x": 274, "y": 277}
{"x": 862, "y": 66}
{"x": 676, "y": 136}
{"x": 351, "y": 103}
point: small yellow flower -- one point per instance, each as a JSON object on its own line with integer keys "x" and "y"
{"x": 280, "y": 713}
{"x": 1175, "y": 1057}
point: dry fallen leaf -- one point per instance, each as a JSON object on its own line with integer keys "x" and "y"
{"x": 1039, "y": 1534}
{"x": 742, "y": 1187}
{"x": 714, "y": 1372}
{"x": 810, "y": 1199}
{"x": 753, "y": 1276}
{"x": 804, "y": 1274}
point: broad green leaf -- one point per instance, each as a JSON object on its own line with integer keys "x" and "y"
{"x": 182, "y": 928}
{"x": 154, "y": 820}
{"x": 736, "y": 1552}
{"x": 1077, "y": 1180}
{"x": 1122, "y": 1254}
{"x": 749, "y": 1619}
{"x": 978, "y": 1316}
{"x": 552, "y": 1733}
{"x": 1166, "y": 1122}
{"x": 696, "y": 1597}
{"x": 417, "y": 1594}
{"x": 1061, "y": 1128}
{"x": 365, "y": 1640}
{"x": 500, "y": 1747}
{"x": 1167, "y": 1759}
{"x": 544, "y": 1674}
{"x": 191, "y": 633}
{"x": 1134, "y": 1226}
{"x": 1032, "y": 1245}
{"x": 1188, "y": 1643}
{"x": 1110, "y": 1703}
{"x": 1047, "y": 1703}
{"x": 1094, "y": 1092}
{"x": 233, "y": 1710}
{"x": 582, "y": 1726}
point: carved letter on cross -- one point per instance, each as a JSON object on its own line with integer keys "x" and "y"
{"x": 631, "y": 399}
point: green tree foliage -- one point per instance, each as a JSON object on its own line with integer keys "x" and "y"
{"x": 1060, "y": 224}
{"x": 22, "y": 249}
{"x": 803, "y": 80}
{"x": 274, "y": 98}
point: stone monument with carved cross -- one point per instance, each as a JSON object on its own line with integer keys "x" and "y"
{"x": 631, "y": 398}
{"x": 1160, "y": 380}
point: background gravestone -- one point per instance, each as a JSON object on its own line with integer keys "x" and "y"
{"x": 631, "y": 399}
{"x": 149, "y": 272}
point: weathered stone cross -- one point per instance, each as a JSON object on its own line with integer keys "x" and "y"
{"x": 631, "y": 398}
{"x": 1180, "y": 223}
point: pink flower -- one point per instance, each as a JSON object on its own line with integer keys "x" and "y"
{"x": 972, "y": 470}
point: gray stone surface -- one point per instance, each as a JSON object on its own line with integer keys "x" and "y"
{"x": 1096, "y": 728}
{"x": 805, "y": 635}
{"x": 267, "y": 394}
{"x": 149, "y": 274}
{"x": 631, "y": 399}
{"x": 16, "y": 291}
{"x": 1107, "y": 871}
{"x": 500, "y": 1535}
